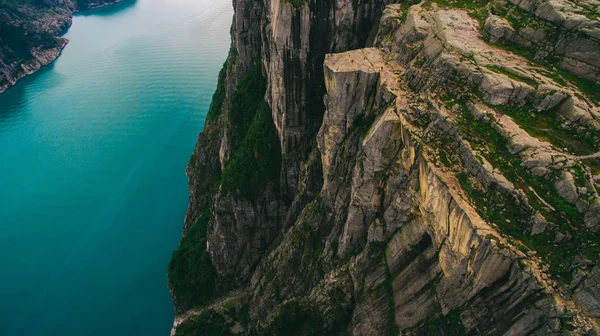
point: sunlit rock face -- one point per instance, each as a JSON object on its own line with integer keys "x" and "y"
{"x": 438, "y": 172}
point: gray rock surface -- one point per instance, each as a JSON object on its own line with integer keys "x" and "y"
{"x": 431, "y": 181}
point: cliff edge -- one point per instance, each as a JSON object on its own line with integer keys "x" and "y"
{"x": 375, "y": 168}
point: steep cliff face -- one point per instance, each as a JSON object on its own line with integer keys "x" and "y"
{"x": 30, "y": 34}
{"x": 250, "y": 211}
{"x": 296, "y": 39}
{"x": 371, "y": 168}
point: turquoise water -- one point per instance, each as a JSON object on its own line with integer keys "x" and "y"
{"x": 92, "y": 168}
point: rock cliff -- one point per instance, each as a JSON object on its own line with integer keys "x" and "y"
{"x": 30, "y": 34}
{"x": 374, "y": 168}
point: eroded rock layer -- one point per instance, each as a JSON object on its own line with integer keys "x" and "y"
{"x": 426, "y": 168}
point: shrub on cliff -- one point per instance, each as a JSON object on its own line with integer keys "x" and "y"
{"x": 191, "y": 272}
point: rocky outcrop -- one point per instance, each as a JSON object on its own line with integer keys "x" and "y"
{"x": 415, "y": 176}
{"x": 291, "y": 40}
{"x": 30, "y": 34}
{"x": 297, "y": 38}
{"x": 562, "y": 32}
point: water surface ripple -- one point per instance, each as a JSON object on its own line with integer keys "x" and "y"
{"x": 92, "y": 168}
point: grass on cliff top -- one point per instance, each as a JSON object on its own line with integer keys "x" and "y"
{"x": 464, "y": 4}
{"x": 513, "y": 76}
{"x": 584, "y": 85}
{"x": 545, "y": 126}
{"x": 553, "y": 71}
{"x": 520, "y": 19}
{"x": 502, "y": 211}
{"x": 475, "y": 8}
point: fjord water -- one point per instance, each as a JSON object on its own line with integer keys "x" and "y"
{"x": 93, "y": 152}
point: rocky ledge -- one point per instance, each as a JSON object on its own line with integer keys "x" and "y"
{"x": 370, "y": 168}
{"x": 30, "y": 34}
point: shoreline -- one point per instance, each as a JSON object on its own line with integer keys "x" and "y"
{"x": 44, "y": 58}
{"x": 106, "y": 4}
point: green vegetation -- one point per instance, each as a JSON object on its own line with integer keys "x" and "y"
{"x": 15, "y": 3}
{"x": 18, "y": 39}
{"x": 245, "y": 103}
{"x": 377, "y": 253}
{"x": 475, "y": 8}
{"x": 594, "y": 165}
{"x": 586, "y": 86}
{"x": 302, "y": 318}
{"x": 545, "y": 126}
{"x": 495, "y": 207}
{"x": 302, "y": 260}
{"x": 211, "y": 323}
{"x": 208, "y": 323}
{"x": 216, "y": 106}
{"x": 553, "y": 71}
{"x": 306, "y": 241}
{"x": 560, "y": 76}
{"x": 295, "y": 318}
{"x": 448, "y": 325}
{"x": 296, "y": 3}
{"x": 512, "y": 75}
{"x": 18, "y": 36}
{"x": 257, "y": 161}
{"x": 389, "y": 290}
{"x": 304, "y": 238}
{"x": 363, "y": 123}
{"x": 191, "y": 272}
{"x": 339, "y": 313}
{"x": 511, "y": 217}
{"x": 520, "y": 19}
{"x": 465, "y": 4}
{"x": 405, "y": 5}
